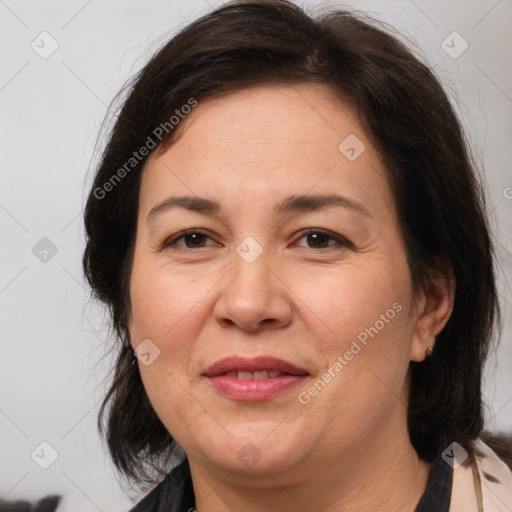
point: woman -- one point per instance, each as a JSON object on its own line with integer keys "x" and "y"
{"x": 291, "y": 239}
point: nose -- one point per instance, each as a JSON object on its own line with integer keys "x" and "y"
{"x": 254, "y": 296}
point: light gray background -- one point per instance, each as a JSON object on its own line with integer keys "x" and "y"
{"x": 52, "y": 377}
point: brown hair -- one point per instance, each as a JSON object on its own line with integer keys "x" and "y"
{"x": 410, "y": 121}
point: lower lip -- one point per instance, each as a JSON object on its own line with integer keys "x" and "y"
{"x": 251, "y": 390}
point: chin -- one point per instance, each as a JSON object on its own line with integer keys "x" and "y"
{"x": 254, "y": 451}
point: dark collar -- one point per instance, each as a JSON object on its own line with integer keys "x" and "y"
{"x": 438, "y": 490}
{"x": 173, "y": 494}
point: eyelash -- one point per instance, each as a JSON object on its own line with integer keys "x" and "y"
{"x": 168, "y": 243}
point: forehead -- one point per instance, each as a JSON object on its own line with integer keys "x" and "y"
{"x": 264, "y": 141}
{"x": 272, "y": 115}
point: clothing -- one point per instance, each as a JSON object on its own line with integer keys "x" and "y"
{"x": 482, "y": 486}
{"x": 173, "y": 494}
{"x": 437, "y": 494}
{"x": 485, "y": 486}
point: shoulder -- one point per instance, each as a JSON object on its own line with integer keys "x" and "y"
{"x": 495, "y": 476}
{"x": 485, "y": 483}
{"x": 173, "y": 494}
{"x": 501, "y": 445}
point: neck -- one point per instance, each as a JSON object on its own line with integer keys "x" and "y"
{"x": 381, "y": 474}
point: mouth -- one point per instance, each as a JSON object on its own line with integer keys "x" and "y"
{"x": 257, "y": 368}
{"x": 259, "y": 378}
{"x": 257, "y": 375}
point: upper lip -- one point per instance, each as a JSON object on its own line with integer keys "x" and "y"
{"x": 262, "y": 363}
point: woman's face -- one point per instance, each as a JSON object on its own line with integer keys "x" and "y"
{"x": 253, "y": 283}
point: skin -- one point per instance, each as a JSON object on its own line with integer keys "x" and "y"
{"x": 301, "y": 299}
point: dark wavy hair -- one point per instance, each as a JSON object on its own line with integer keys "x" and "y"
{"x": 438, "y": 193}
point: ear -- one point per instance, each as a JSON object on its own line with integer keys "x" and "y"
{"x": 434, "y": 308}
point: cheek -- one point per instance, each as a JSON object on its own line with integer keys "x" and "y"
{"x": 163, "y": 311}
{"x": 361, "y": 316}
{"x": 354, "y": 298}
{"x": 163, "y": 303}
{"x": 361, "y": 322}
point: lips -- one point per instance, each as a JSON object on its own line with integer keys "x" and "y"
{"x": 256, "y": 379}
{"x": 258, "y": 368}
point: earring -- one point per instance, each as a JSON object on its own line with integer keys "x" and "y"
{"x": 429, "y": 352}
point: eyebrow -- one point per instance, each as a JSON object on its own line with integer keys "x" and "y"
{"x": 290, "y": 205}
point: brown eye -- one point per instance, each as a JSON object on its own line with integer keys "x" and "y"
{"x": 193, "y": 238}
{"x": 320, "y": 239}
